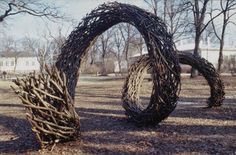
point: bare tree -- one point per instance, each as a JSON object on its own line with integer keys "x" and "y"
{"x": 228, "y": 9}
{"x": 174, "y": 14}
{"x": 43, "y": 50}
{"x": 104, "y": 46}
{"x": 57, "y": 42}
{"x": 93, "y": 52}
{"x": 31, "y": 7}
{"x": 9, "y": 46}
{"x": 138, "y": 42}
{"x": 127, "y": 32}
{"x": 199, "y": 11}
{"x": 153, "y": 4}
{"x": 118, "y": 49}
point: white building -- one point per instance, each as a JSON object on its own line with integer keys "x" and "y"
{"x": 208, "y": 52}
{"x": 19, "y": 62}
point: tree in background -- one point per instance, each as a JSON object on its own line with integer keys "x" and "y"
{"x": 175, "y": 16}
{"x": 199, "y": 9}
{"x": 173, "y": 13}
{"x": 104, "y": 46}
{"x": 118, "y": 48}
{"x": 57, "y": 42}
{"x": 153, "y": 4}
{"x": 42, "y": 49}
{"x": 127, "y": 33}
{"x": 35, "y": 8}
{"x": 9, "y": 46}
{"x": 228, "y": 9}
{"x": 138, "y": 42}
{"x": 31, "y": 7}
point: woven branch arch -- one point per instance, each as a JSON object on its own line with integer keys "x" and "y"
{"x": 49, "y": 97}
{"x": 166, "y": 72}
{"x": 210, "y": 74}
{"x": 130, "y": 94}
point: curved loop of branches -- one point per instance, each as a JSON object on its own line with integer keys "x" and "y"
{"x": 210, "y": 74}
{"x": 166, "y": 69}
{"x": 130, "y": 93}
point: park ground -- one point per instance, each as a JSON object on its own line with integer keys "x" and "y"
{"x": 190, "y": 129}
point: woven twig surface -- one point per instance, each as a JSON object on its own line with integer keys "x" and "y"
{"x": 130, "y": 94}
{"x": 49, "y": 107}
{"x": 166, "y": 69}
{"x": 48, "y": 97}
{"x": 210, "y": 74}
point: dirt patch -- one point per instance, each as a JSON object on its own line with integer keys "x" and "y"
{"x": 190, "y": 129}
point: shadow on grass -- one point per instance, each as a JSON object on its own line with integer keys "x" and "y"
{"x": 11, "y": 105}
{"x": 20, "y": 140}
{"x": 107, "y": 131}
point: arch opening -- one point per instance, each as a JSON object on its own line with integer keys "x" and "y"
{"x": 166, "y": 72}
{"x": 137, "y": 70}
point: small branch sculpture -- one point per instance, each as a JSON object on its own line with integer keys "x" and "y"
{"x": 130, "y": 94}
{"x": 49, "y": 107}
{"x": 210, "y": 74}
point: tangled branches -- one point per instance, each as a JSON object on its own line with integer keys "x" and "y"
{"x": 48, "y": 97}
{"x": 49, "y": 107}
{"x": 130, "y": 94}
{"x": 210, "y": 74}
{"x": 166, "y": 70}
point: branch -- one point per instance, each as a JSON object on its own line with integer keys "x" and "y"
{"x": 231, "y": 22}
{"x": 20, "y": 7}
{"x": 6, "y": 12}
{"x": 205, "y": 26}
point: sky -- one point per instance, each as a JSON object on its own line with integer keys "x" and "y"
{"x": 21, "y": 26}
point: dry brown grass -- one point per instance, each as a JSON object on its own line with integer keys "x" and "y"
{"x": 190, "y": 129}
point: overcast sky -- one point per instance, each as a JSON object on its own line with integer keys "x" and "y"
{"x": 20, "y": 26}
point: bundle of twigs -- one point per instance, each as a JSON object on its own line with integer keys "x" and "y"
{"x": 130, "y": 94}
{"x": 49, "y": 107}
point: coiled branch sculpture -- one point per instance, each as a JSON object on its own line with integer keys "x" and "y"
{"x": 130, "y": 94}
{"x": 165, "y": 62}
{"x": 49, "y": 97}
{"x": 210, "y": 74}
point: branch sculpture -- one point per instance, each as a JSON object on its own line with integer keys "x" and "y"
{"x": 210, "y": 74}
{"x": 165, "y": 62}
{"x": 49, "y": 107}
{"x": 49, "y": 97}
{"x": 130, "y": 94}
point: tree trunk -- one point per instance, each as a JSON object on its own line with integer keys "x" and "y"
{"x": 15, "y": 65}
{"x": 220, "y": 60}
{"x": 104, "y": 70}
{"x": 194, "y": 72}
{"x": 119, "y": 65}
{"x": 42, "y": 65}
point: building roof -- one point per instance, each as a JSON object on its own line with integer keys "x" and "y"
{"x": 17, "y": 54}
{"x": 190, "y": 47}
